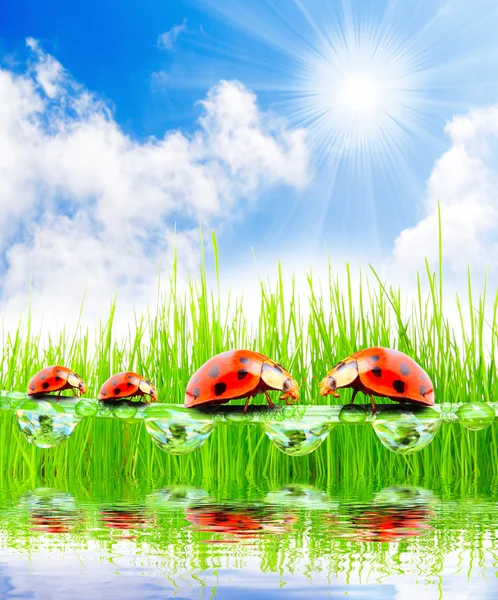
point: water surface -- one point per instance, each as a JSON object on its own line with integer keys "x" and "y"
{"x": 264, "y": 539}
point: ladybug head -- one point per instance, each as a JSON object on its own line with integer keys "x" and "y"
{"x": 82, "y": 387}
{"x": 291, "y": 390}
{"x": 328, "y": 386}
{"x": 75, "y": 381}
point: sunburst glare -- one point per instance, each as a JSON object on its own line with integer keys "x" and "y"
{"x": 359, "y": 95}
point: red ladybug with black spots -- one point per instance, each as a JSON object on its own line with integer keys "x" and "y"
{"x": 126, "y": 385}
{"x": 239, "y": 374}
{"x": 380, "y": 372}
{"x": 56, "y": 379}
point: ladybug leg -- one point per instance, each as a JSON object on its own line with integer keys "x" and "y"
{"x": 59, "y": 395}
{"x": 270, "y": 403}
{"x": 374, "y": 408}
{"x": 354, "y": 396}
{"x": 244, "y": 410}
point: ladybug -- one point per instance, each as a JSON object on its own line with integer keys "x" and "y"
{"x": 127, "y": 385}
{"x": 239, "y": 374}
{"x": 380, "y": 372}
{"x": 56, "y": 379}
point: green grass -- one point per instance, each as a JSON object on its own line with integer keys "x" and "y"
{"x": 188, "y": 327}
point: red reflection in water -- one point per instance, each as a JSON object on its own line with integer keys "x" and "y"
{"x": 382, "y": 524}
{"x": 238, "y": 523}
{"x": 50, "y": 523}
{"x": 124, "y": 520}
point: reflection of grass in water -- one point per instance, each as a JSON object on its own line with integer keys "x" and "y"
{"x": 454, "y": 519}
{"x": 189, "y": 328}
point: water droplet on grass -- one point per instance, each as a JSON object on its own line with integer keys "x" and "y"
{"x": 86, "y": 408}
{"x": 405, "y": 431}
{"x": 45, "y": 425}
{"x": 297, "y": 439}
{"x": 475, "y": 415}
{"x": 124, "y": 411}
{"x": 179, "y": 433}
{"x": 352, "y": 413}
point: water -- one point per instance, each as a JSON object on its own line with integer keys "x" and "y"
{"x": 246, "y": 539}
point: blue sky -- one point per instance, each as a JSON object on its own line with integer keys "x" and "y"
{"x": 364, "y": 88}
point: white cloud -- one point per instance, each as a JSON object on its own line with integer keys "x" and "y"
{"x": 167, "y": 40}
{"x": 465, "y": 182}
{"x": 84, "y": 206}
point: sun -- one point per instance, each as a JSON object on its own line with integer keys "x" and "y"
{"x": 360, "y": 96}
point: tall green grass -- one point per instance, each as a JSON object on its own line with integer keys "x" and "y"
{"x": 189, "y": 326}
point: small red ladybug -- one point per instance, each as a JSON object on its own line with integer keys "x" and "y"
{"x": 380, "y": 372}
{"x": 56, "y": 379}
{"x": 239, "y": 374}
{"x": 127, "y": 385}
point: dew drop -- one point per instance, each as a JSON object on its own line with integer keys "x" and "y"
{"x": 124, "y": 411}
{"x": 180, "y": 433}
{"x": 44, "y": 425}
{"x": 405, "y": 431}
{"x": 352, "y": 413}
{"x": 86, "y": 408}
{"x": 297, "y": 439}
{"x": 475, "y": 415}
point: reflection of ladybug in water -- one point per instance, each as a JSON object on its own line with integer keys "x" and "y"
{"x": 380, "y": 372}
{"x": 239, "y": 374}
{"x": 238, "y": 522}
{"x": 49, "y": 523}
{"x": 120, "y": 518}
{"x": 392, "y": 525}
{"x": 384, "y": 525}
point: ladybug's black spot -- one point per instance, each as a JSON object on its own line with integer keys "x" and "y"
{"x": 244, "y": 360}
{"x": 196, "y": 379}
{"x": 423, "y": 390}
{"x": 404, "y": 369}
{"x": 423, "y": 378}
{"x": 129, "y": 384}
{"x": 117, "y": 391}
{"x": 377, "y": 371}
{"x": 344, "y": 365}
{"x": 241, "y": 374}
{"x": 374, "y": 358}
{"x": 115, "y": 382}
{"x": 58, "y": 371}
{"x": 57, "y": 378}
{"x": 220, "y": 388}
{"x": 129, "y": 377}
{"x": 221, "y": 518}
{"x": 214, "y": 371}
{"x": 277, "y": 368}
{"x": 104, "y": 392}
{"x": 43, "y": 377}
{"x": 196, "y": 392}
{"x": 45, "y": 386}
{"x": 399, "y": 386}
{"x": 32, "y": 387}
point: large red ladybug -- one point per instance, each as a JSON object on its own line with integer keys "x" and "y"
{"x": 56, "y": 379}
{"x": 380, "y": 372}
{"x": 127, "y": 385}
{"x": 239, "y": 374}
